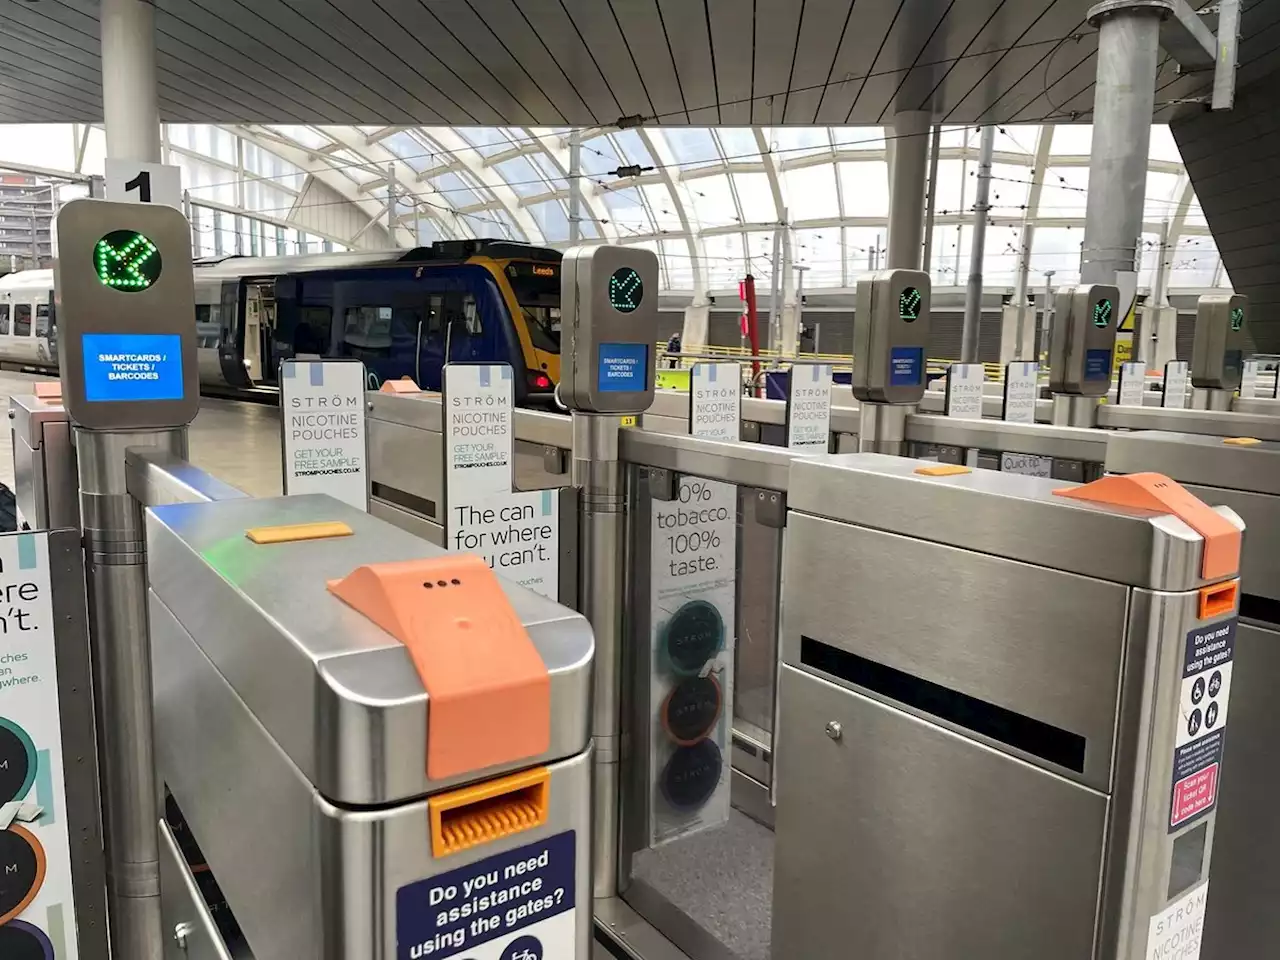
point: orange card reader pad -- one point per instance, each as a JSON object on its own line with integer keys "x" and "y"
{"x": 490, "y": 693}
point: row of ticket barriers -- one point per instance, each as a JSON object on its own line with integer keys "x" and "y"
{"x": 556, "y": 687}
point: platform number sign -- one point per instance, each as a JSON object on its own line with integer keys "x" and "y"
{"x": 626, "y": 290}
{"x": 127, "y": 260}
{"x": 909, "y": 304}
{"x": 133, "y": 181}
{"x": 1237, "y": 318}
{"x": 1102, "y": 313}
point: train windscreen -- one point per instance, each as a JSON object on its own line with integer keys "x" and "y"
{"x": 537, "y": 290}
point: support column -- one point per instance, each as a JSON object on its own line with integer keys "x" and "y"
{"x": 1128, "y": 59}
{"x": 130, "y": 97}
{"x": 575, "y": 187}
{"x": 598, "y": 475}
{"x": 908, "y": 176}
{"x": 977, "y": 250}
{"x": 116, "y": 580}
{"x": 931, "y": 201}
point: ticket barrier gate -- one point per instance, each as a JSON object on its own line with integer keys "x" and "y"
{"x": 44, "y": 459}
{"x": 407, "y": 464}
{"x": 1241, "y": 919}
{"x": 1025, "y": 779}
{"x": 343, "y": 810}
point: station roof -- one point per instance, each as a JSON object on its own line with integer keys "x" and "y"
{"x": 587, "y": 63}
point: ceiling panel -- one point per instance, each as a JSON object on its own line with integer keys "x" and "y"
{"x": 732, "y": 35}
{"x": 497, "y": 37}
{"x": 578, "y": 64}
{"x": 587, "y": 62}
{"x": 646, "y": 38}
{"x": 613, "y": 54}
{"x": 859, "y": 57}
{"x": 777, "y": 26}
{"x": 822, "y": 28}
{"x": 685, "y": 24}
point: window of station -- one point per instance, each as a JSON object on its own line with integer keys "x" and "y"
{"x": 42, "y": 320}
{"x": 4, "y": 319}
{"x": 22, "y": 319}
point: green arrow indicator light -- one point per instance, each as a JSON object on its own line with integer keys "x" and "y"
{"x": 909, "y": 304}
{"x": 1102, "y": 313}
{"x": 127, "y": 260}
{"x": 626, "y": 290}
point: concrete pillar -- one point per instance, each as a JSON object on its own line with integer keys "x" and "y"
{"x": 130, "y": 97}
{"x": 1128, "y": 59}
{"x": 696, "y": 330}
{"x": 908, "y": 176}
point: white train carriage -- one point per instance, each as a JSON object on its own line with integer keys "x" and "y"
{"x": 26, "y": 331}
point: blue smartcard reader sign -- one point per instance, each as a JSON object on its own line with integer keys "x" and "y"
{"x": 906, "y": 366}
{"x": 132, "y": 367}
{"x": 517, "y": 905}
{"x": 622, "y": 367}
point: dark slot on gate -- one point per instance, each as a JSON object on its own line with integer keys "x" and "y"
{"x": 1254, "y": 607}
{"x": 1035, "y": 737}
{"x": 408, "y": 501}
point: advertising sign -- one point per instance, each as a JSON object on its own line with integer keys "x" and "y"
{"x": 324, "y": 438}
{"x": 37, "y": 910}
{"x": 516, "y": 533}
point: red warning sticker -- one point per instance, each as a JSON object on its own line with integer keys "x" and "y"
{"x": 1194, "y": 795}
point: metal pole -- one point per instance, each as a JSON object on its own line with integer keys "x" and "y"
{"x": 189, "y": 213}
{"x": 1046, "y": 315}
{"x": 130, "y": 100}
{"x": 1128, "y": 55}
{"x": 116, "y": 578}
{"x": 598, "y": 475}
{"x": 575, "y": 187}
{"x": 978, "y": 250}
{"x": 1020, "y": 287}
{"x": 35, "y": 241}
{"x": 931, "y": 204}
{"x": 799, "y": 307}
{"x": 906, "y": 191}
{"x": 774, "y": 284}
{"x": 391, "y": 204}
{"x": 1159, "y": 291}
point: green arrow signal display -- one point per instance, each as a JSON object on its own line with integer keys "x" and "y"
{"x": 126, "y": 260}
{"x": 1237, "y": 318}
{"x": 626, "y": 290}
{"x": 1102, "y": 313}
{"x": 909, "y": 304}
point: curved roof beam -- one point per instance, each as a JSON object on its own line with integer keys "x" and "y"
{"x": 665, "y": 161}
{"x": 472, "y": 161}
{"x": 319, "y": 166}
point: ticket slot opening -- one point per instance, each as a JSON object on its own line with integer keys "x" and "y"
{"x": 472, "y": 816}
{"x": 1218, "y": 599}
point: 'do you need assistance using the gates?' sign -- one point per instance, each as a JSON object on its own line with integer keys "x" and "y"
{"x": 517, "y": 905}
{"x": 517, "y": 534}
{"x": 322, "y": 419}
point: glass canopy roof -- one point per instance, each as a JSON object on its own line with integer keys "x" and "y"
{"x": 709, "y": 201}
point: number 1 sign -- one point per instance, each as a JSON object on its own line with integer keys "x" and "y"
{"x": 132, "y": 181}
